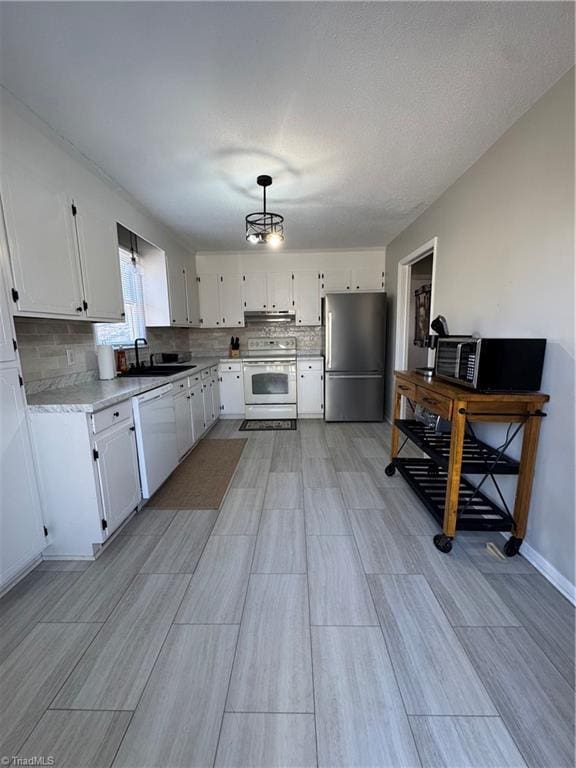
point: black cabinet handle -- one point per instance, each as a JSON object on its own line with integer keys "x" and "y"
{"x": 116, "y": 414}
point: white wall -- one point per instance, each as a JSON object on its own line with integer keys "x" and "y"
{"x": 28, "y": 140}
{"x": 259, "y": 260}
{"x": 505, "y": 267}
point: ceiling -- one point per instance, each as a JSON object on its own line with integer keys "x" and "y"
{"x": 364, "y": 113}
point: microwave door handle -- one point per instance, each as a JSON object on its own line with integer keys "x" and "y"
{"x": 458, "y": 356}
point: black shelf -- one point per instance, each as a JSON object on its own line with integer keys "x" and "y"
{"x": 476, "y": 512}
{"x": 477, "y": 458}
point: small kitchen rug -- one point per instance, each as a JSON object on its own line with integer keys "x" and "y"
{"x": 200, "y": 482}
{"x": 263, "y": 425}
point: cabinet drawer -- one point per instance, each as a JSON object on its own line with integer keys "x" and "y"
{"x": 235, "y": 366}
{"x": 441, "y": 406}
{"x": 406, "y": 388}
{"x": 180, "y": 385}
{"x": 112, "y": 415}
{"x": 310, "y": 365}
{"x": 205, "y": 374}
{"x": 214, "y": 371}
{"x": 194, "y": 379}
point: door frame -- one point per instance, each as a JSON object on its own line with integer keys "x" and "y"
{"x": 403, "y": 299}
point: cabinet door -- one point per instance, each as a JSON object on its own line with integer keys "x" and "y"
{"x": 367, "y": 279}
{"x": 22, "y": 533}
{"x": 335, "y": 280}
{"x": 208, "y": 293}
{"x": 279, "y": 291}
{"x": 310, "y": 392}
{"x": 197, "y": 408}
{"x": 177, "y": 287}
{"x": 192, "y": 299}
{"x": 118, "y": 473}
{"x": 215, "y": 392}
{"x": 42, "y": 244}
{"x": 7, "y": 341}
{"x": 255, "y": 291}
{"x": 307, "y": 298}
{"x": 208, "y": 403}
{"x": 231, "y": 393}
{"x": 230, "y": 295}
{"x": 100, "y": 263}
{"x": 184, "y": 433}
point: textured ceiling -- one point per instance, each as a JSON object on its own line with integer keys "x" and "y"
{"x": 362, "y": 112}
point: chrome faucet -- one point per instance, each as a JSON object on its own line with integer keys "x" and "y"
{"x": 137, "y": 356}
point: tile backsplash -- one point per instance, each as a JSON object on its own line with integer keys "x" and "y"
{"x": 208, "y": 341}
{"x": 43, "y": 346}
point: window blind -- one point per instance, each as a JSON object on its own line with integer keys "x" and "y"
{"x": 134, "y": 326}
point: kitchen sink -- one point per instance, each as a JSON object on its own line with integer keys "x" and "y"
{"x": 158, "y": 370}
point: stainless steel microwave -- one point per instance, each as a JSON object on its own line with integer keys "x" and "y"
{"x": 491, "y": 365}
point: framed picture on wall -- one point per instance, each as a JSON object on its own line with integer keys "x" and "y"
{"x": 422, "y": 310}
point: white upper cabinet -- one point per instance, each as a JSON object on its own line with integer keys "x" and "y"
{"x": 192, "y": 298}
{"x": 42, "y": 245}
{"x": 230, "y": 295}
{"x": 177, "y": 291}
{"x": 279, "y": 291}
{"x": 220, "y": 301}
{"x": 307, "y": 298}
{"x": 367, "y": 279}
{"x": 335, "y": 280}
{"x": 98, "y": 246}
{"x": 209, "y": 294}
{"x": 255, "y": 291}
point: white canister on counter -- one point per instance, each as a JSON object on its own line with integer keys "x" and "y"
{"x": 106, "y": 361}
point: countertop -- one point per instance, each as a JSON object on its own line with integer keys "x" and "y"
{"x": 96, "y": 395}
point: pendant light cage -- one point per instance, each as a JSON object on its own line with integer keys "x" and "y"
{"x": 264, "y": 227}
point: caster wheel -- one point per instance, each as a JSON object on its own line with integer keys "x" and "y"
{"x": 512, "y": 546}
{"x": 390, "y": 470}
{"x": 443, "y": 542}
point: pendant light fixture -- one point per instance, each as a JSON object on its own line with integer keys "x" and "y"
{"x": 264, "y": 227}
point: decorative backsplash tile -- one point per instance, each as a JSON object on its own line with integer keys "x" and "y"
{"x": 43, "y": 345}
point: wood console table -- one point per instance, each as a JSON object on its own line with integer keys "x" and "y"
{"x": 438, "y": 480}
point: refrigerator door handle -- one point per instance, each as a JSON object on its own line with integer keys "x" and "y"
{"x": 329, "y": 341}
{"x": 356, "y": 375}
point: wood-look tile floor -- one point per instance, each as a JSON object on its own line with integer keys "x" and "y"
{"x": 309, "y": 622}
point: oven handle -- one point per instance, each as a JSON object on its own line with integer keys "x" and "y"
{"x": 329, "y": 341}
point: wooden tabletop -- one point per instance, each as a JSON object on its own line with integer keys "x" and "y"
{"x": 456, "y": 392}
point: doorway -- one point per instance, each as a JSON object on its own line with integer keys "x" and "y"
{"x": 416, "y": 273}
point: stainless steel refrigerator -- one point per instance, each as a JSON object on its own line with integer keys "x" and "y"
{"x": 355, "y": 352}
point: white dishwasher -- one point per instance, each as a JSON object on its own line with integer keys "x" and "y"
{"x": 155, "y": 422}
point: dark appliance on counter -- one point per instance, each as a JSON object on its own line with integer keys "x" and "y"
{"x": 491, "y": 365}
{"x": 355, "y": 353}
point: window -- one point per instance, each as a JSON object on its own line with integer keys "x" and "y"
{"x": 121, "y": 334}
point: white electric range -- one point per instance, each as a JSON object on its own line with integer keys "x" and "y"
{"x": 269, "y": 370}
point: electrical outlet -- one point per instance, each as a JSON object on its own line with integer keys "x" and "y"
{"x": 70, "y": 357}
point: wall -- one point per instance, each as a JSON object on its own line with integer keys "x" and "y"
{"x": 208, "y": 341}
{"x": 43, "y": 344}
{"x": 505, "y": 267}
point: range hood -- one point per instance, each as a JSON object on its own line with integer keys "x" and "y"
{"x": 261, "y": 316}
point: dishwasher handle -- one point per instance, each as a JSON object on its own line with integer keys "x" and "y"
{"x": 155, "y": 394}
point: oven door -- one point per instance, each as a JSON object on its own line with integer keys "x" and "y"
{"x": 269, "y": 383}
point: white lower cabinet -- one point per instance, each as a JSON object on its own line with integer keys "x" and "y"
{"x": 118, "y": 473}
{"x": 88, "y": 472}
{"x": 215, "y": 391}
{"x": 184, "y": 431}
{"x": 197, "y": 411}
{"x": 22, "y": 537}
{"x": 231, "y": 386}
{"x": 310, "y": 387}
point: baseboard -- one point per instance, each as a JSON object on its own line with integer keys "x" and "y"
{"x": 548, "y": 571}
